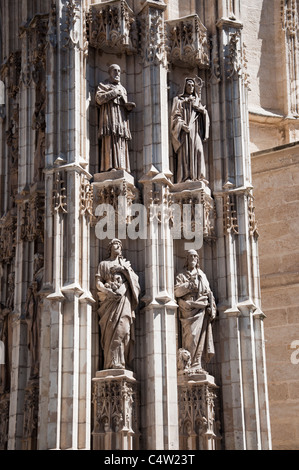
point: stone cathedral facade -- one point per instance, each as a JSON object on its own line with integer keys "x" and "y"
{"x": 115, "y": 117}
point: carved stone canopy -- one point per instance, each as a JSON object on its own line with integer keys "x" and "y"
{"x": 111, "y": 27}
{"x": 187, "y": 42}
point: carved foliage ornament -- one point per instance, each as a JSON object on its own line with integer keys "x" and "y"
{"x": 152, "y": 36}
{"x": 32, "y": 226}
{"x": 59, "y": 194}
{"x": 86, "y": 199}
{"x": 188, "y": 42}
{"x": 112, "y": 27}
{"x": 230, "y": 220}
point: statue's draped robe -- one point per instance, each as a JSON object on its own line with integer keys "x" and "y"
{"x": 114, "y": 131}
{"x": 117, "y": 315}
{"x": 197, "y": 336}
{"x": 188, "y": 146}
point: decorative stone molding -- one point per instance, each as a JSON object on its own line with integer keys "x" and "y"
{"x": 112, "y": 27}
{"x": 198, "y": 408}
{"x": 188, "y": 43}
{"x": 71, "y": 38}
{"x": 32, "y": 225}
{"x": 215, "y": 69}
{"x": 34, "y": 33}
{"x": 197, "y": 192}
{"x": 4, "y": 420}
{"x": 289, "y": 17}
{"x": 253, "y": 225}
{"x": 59, "y": 193}
{"x": 116, "y": 402}
{"x": 10, "y": 72}
{"x": 30, "y": 415}
{"x": 109, "y": 186}
{"x": 86, "y": 197}
{"x": 152, "y": 33}
{"x": 8, "y": 230}
{"x": 230, "y": 220}
{"x": 234, "y": 67}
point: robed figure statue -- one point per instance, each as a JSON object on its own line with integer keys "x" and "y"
{"x": 114, "y": 131}
{"x": 190, "y": 125}
{"x": 197, "y": 310}
{"x": 118, "y": 291}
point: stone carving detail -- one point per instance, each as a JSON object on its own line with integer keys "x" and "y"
{"x": 118, "y": 291}
{"x": 115, "y": 402}
{"x": 86, "y": 201}
{"x": 289, "y": 15}
{"x": 30, "y": 416}
{"x": 112, "y": 27}
{"x": 52, "y": 31}
{"x": 12, "y": 138}
{"x": 230, "y": 220}
{"x": 253, "y": 226}
{"x": 4, "y": 421}
{"x": 71, "y": 34}
{"x": 35, "y": 33}
{"x": 194, "y": 197}
{"x": 215, "y": 69}
{"x": 33, "y": 315}
{"x": 188, "y": 42}
{"x": 234, "y": 56}
{"x": 8, "y": 228}
{"x": 11, "y": 71}
{"x": 199, "y": 429}
{"x": 39, "y": 125}
{"x": 32, "y": 227}
{"x": 114, "y": 131}
{"x": 190, "y": 126}
{"x": 59, "y": 194}
{"x": 152, "y": 35}
{"x": 197, "y": 310}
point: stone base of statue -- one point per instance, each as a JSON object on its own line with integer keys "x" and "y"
{"x": 116, "y": 188}
{"x": 199, "y": 426}
{"x": 115, "y": 407}
{"x": 197, "y": 192}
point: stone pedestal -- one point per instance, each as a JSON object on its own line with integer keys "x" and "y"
{"x": 198, "y": 408}
{"x": 117, "y": 190}
{"x": 197, "y": 192}
{"x": 115, "y": 405}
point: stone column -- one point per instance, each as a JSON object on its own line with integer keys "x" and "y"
{"x": 66, "y": 320}
{"x": 159, "y": 377}
{"x": 244, "y": 386}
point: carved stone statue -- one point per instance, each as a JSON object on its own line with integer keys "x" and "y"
{"x": 190, "y": 125}
{"x": 197, "y": 310}
{"x": 114, "y": 131}
{"x": 118, "y": 291}
{"x": 32, "y": 312}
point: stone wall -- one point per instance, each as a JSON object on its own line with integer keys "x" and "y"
{"x": 276, "y": 182}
